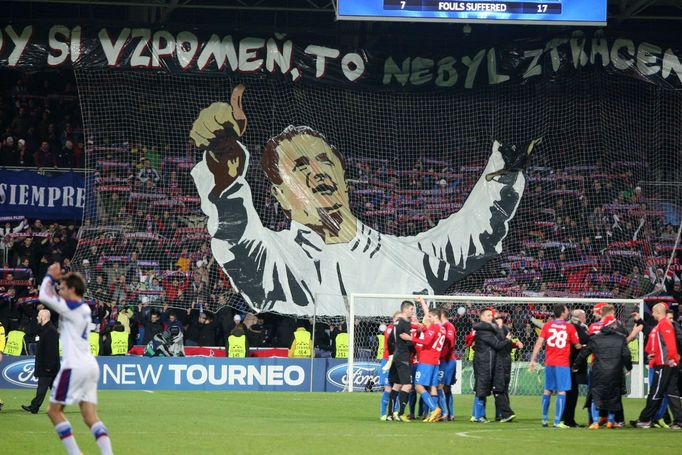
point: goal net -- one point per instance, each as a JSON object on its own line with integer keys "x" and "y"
{"x": 523, "y": 316}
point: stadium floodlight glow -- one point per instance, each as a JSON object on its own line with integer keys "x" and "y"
{"x": 516, "y": 307}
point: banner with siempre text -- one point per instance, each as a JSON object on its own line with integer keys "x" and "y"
{"x": 391, "y": 62}
{"x": 32, "y": 195}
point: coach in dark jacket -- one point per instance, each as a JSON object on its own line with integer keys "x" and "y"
{"x": 611, "y": 355}
{"x": 578, "y": 320}
{"x": 46, "y": 360}
{"x": 488, "y": 365}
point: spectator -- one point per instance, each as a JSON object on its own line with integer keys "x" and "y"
{"x": 118, "y": 290}
{"x": 175, "y": 291}
{"x": 7, "y": 152}
{"x": 21, "y": 123}
{"x": 86, "y": 271}
{"x": 98, "y": 287}
{"x": 65, "y": 157}
{"x": 323, "y": 341}
{"x": 44, "y": 156}
{"x": 183, "y": 261}
{"x": 207, "y": 331}
{"x": 172, "y": 319}
{"x": 255, "y": 333}
{"x": 22, "y": 157}
{"x": 148, "y": 173}
{"x": 201, "y": 330}
{"x": 151, "y": 323}
{"x": 113, "y": 271}
{"x": 284, "y": 333}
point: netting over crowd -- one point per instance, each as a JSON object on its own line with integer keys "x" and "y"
{"x": 585, "y": 226}
{"x": 589, "y": 223}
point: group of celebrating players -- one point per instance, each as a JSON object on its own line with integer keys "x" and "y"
{"x": 420, "y": 355}
{"x": 419, "y": 361}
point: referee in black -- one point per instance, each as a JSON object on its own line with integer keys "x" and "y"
{"x": 400, "y": 374}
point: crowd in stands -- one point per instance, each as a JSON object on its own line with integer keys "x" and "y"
{"x": 587, "y": 231}
{"x": 40, "y": 121}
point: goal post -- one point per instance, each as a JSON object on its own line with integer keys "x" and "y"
{"x": 524, "y": 314}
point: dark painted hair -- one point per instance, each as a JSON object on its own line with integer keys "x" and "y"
{"x": 270, "y": 161}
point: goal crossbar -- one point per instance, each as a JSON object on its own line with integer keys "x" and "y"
{"x": 637, "y": 388}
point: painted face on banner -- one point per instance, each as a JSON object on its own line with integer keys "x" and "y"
{"x": 313, "y": 178}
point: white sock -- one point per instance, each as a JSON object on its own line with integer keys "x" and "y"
{"x": 65, "y": 433}
{"x": 101, "y": 434}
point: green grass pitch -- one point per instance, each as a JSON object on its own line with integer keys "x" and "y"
{"x": 169, "y": 422}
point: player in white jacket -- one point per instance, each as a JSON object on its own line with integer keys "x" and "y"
{"x": 76, "y": 382}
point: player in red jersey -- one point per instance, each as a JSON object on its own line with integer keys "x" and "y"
{"x": 596, "y": 326}
{"x": 448, "y": 366}
{"x": 430, "y": 344}
{"x": 559, "y": 336}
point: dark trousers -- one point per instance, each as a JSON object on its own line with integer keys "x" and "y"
{"x": 664, "y": 383}
{"x": 502, "y": 406}
{"x": 571, "y": 401}
{"x": 44, "y": 383}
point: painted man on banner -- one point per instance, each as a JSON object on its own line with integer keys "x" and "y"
{"x": 327, "y": 253}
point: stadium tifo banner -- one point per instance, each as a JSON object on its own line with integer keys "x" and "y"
{"x": 468, "y": 64}
{"x": 32, "y": 195}
{"x": 227, "y": 160}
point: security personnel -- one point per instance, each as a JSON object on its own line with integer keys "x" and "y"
{"x": 380, "y": 341}
{"x": 515, "y": 349}
{"x": 633, "y": 346}
{"x": 341, "y": 345}
{"x": 47, "y": 362}
{"x": 302, "y": 347}
{"x": 236, "y": 343}
{"x": 2, "y": 349}
{"x": 2, "y": 339}
{"x": 93, "y": 339}
{"x": 119, "y": 342}
{"x": 15, "y": 342}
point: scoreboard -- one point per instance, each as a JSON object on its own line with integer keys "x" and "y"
{"x": 559, "y": 12}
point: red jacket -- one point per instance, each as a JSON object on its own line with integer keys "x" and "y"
{"x": 662, "y": 344}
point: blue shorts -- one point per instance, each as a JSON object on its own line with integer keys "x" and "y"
{"x": 383, "y": 375}
{"x": 558, "y": 379}
{"x": 426, "y": 375}
{"x": 414, "y": 372}
{"x": 446, "y": 372}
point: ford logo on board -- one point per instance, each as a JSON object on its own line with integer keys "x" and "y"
{"x": 363, "y": 372}
{"x": 20, "y": 374}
